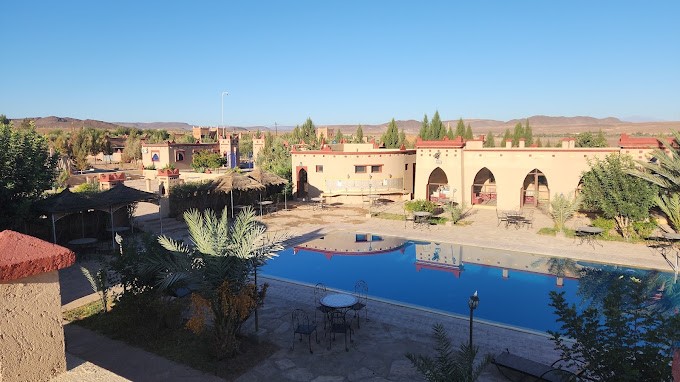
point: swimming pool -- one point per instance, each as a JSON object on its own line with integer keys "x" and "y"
{"x": 513, "y": 287}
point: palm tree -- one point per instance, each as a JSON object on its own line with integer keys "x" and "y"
{"x": 664, "y": 171}
{"x": 449, "y": 365}
{"x": 217, "y": 268}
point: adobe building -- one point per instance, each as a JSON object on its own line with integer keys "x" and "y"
{"x": 350, "y": 171}
{"x": 31, "y": 333}
{"x": 180, "y": 155}
{"x": 456, "y": 170}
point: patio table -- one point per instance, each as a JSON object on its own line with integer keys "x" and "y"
{"x": 421, "y": 219}
{"x": 588, "y": 234}
{"x": 339, "y": 301}
{"x": 318, "y": 202}
{"x": 264, "y": 203}
{"x": 85, "y": 241}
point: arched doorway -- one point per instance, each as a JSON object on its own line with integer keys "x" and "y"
{"x": 302, "y": 183}
{"x": 438, "y": 189}
{"x": 535, "y": 189}
{"x": 484, "y": 188}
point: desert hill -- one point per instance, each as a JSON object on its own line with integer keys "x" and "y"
{"x": 541, "y": 125}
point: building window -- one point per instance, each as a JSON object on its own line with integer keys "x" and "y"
{"x": 376, "y": 168}
{"x": 359, "y": 169}
{"x": 155, "y": 156}
{"x": 319, "y": 168}
{"x": 406, "y": 167}
{"x": 179, "y": 156}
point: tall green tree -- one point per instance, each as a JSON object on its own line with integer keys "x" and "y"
{"x": 621, "y": 339}
{"x": 133, "y": 147}
{"x": 489, "y": 142}
{"x": 359, "y": 135}
{"x": 4, "y": 120}
{"x": 449, "y": 133}
{"x": 391, "y": 136}
{"x": 338, "y": 136}
{"x": 528, "y": 134}
{"x": 245, "y": 146}
{"x": 610, "y": 189}
{"x": 308, "y": 133}
{"x": 82, "y": 146}
{"x": 275, "y": 157}
{"x": 506, "y": 136}
{"x": 424, "y": 132}
{"x": 468, "y": 132}
{"x": 26, "y": 171}
{"x": 460, "y": 128}
{"x": 402, "y": 138}
{"x": 517, "y": 134}
{"x": 588, "y": 139}
{"x": 538, "y": 142}
{"x": 437, "y": 130}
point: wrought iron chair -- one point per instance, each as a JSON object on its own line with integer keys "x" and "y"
{"x": 361, "y": 293}
{"x": 408, "y": 216}
{"x": 319, "y": 292}
{"x": 303, "y": 326}
{"x": 337, "y": 323}
{"x": 501, "y": 216}
{"x": 528, "y": 218}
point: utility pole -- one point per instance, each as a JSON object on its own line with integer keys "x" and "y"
{"x": 276, "y": 129}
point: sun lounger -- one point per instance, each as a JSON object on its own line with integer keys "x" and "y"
{"x": 535, "y": 369}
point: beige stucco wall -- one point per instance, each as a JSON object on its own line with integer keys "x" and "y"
{"x": 339, "y": 177}
{"x": 31, "y": 335}
{"x": 562, "y": 168}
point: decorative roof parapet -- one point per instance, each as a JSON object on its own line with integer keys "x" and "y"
{"x": 23, "y": 256}
{"x": 458, "y": 142}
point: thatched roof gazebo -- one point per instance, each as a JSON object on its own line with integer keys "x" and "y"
{"x": 267, "y": 178}
{"x": 236, "y": 181}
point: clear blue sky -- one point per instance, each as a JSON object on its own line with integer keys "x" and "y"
{"x": 338, "y": 61}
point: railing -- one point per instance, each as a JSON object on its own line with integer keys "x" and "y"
{"x": 364, "y": 186}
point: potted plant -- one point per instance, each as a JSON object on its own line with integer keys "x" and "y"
{"x": 168, "y": 170}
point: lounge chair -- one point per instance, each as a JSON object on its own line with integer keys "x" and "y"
{"x": 540, "y": 371}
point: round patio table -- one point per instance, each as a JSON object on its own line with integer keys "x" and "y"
{"x": 83, "y": 241}
{"x": 339, "y": 301}
{"x": 264, "y": 203}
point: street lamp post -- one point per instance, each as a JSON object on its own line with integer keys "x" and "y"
{"x": 224, "y": 131}
{"x": 473, "y": 302}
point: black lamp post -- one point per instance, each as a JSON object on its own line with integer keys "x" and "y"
{"x": 473, "y": 302}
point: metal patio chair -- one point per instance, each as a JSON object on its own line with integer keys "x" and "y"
{"x": 338, "y": 324}
{"x": 319, "y": 292}
{"x": 361, "y": 293}
{"x": 302, "y": 326}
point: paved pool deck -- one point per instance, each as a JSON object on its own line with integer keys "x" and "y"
{"x": 377, "y": 353}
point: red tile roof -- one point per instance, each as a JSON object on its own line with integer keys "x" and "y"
{"x": 22, "y": 256}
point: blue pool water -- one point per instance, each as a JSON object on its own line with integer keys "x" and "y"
{"x": 513, "y": 287}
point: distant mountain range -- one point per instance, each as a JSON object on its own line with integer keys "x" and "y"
{"x": 541, "y": 124}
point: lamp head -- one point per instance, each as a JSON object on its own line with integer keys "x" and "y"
{"x": 473, "y": 302}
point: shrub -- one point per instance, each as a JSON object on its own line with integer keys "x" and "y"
{"x": 87, "y": 187}
{"x": 458, "y": 212}
{"x": 644, "y": 229}
{"x": 607, "y": 225}
{"x": 420, "y": 205}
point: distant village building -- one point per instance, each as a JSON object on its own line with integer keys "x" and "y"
{"x": 180, "y": 155}
{"x": 454, "y": 170}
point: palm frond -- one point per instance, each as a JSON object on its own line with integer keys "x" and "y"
{"x": 90, "y": 279}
